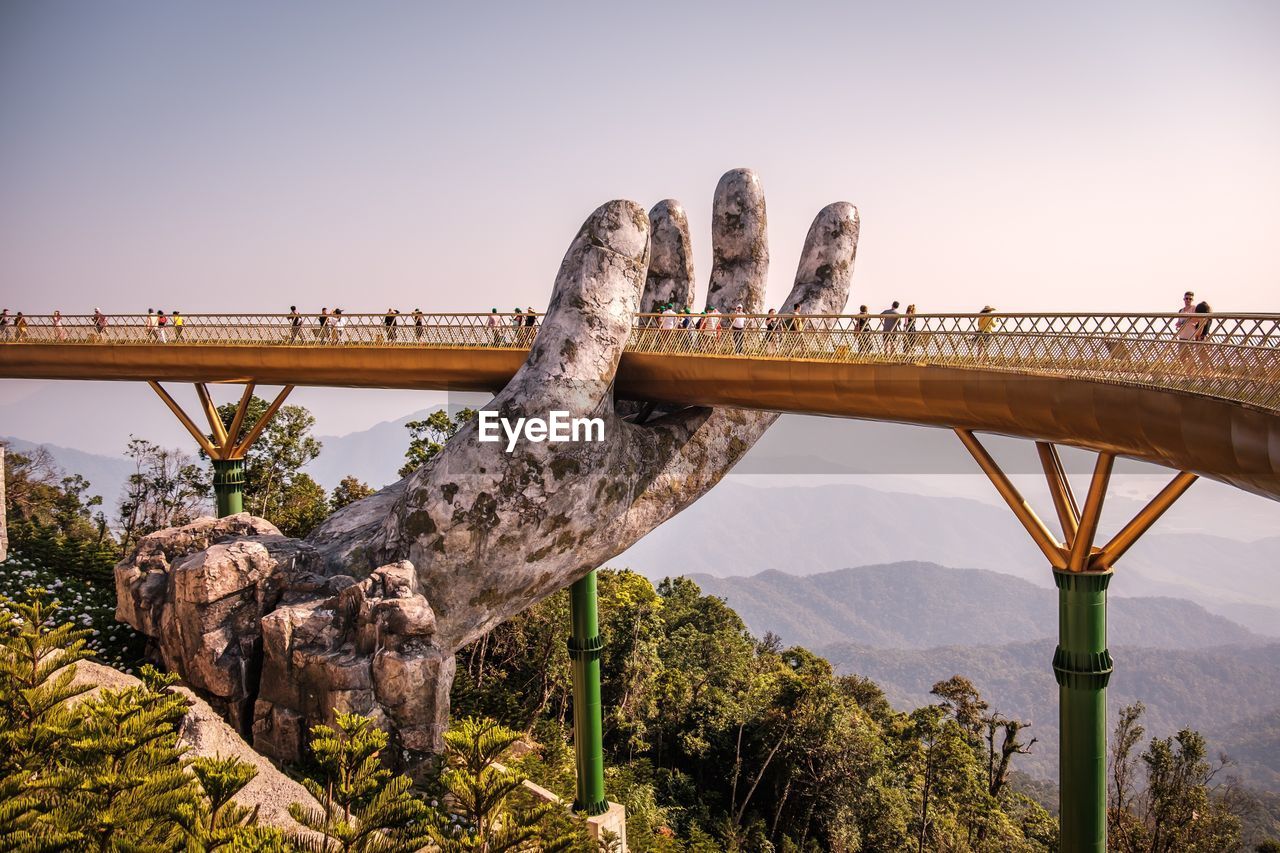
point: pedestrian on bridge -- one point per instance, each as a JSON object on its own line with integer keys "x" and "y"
{"x": 1185, "y": 328}
{"x": 389, "y": 321}
{"x": 339, "y": 324}
{"x": 20, "y": 327}
{"x": 4, "y": 325}
{"x": 494, "y": 323}
{"x": 58, "y": 332}
{"x": 517, "y": 326}
{"x": 530, "y": 320}
{"x": 99, "y": 325}
{"x": 888, "y": 325}
{"x": 323, "y": 331}
{"x": 739, "y": 327}
{"x": 295, "y": 324}
{"x": 910, "y": 327}
{"x": 1202, "y": 334}
{"x": 986, "y": 328}
{"x": 179, "y": 323}
{"x": 151, "y": 323}
{"x": 418, "y": 319}
{"x": 771, "y": 330}
{"x": 161, "y": 321}
{"x": 859, "y": 327}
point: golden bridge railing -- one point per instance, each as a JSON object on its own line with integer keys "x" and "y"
{"x": 1229, "y": 356}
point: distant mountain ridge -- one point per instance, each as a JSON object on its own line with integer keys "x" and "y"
{"x": 909, "y": 625}
{"x": 916, "y": 605}
{"x": 742, "y": 531}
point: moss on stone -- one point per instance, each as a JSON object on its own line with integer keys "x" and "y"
{"x": 562, "y": 465}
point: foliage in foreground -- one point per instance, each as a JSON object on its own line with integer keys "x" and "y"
{"x": 496, "y": 813}
{"x": 361, "y": 809}
{"x": 104, "y": 770}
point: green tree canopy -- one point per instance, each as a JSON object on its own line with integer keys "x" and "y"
{"x": 348, "y": 491}
{"x": 427, "y": 437}
{"x": 166, "y": 489}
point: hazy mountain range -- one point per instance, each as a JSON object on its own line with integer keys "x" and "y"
{"x": 908, "y": 626}
{"x": 913, "y": 605}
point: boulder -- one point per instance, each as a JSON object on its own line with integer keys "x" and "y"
{"x": 366, "y": 649}
{"x": 200, "y": 592}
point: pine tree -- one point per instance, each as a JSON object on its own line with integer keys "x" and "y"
{"x": 105, "y": 772}
{"x": 35, "y": 725}
{"x": 123, "y": 777}
{"x": 216, "y": 822}
{"x": 486, "y": 794}
{"x": 361, "y": 808}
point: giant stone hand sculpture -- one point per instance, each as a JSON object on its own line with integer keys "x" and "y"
{"x": 367, "y": 613}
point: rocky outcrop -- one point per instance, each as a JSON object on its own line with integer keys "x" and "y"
{"x": 367, "y": 613}
{"x": 199, "y": 592}
{"x": 365, "y": 649}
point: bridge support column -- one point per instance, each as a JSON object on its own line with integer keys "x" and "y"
{"x": 1081, "y": 662}
{"x": 224, "y": 445}
{"x": 585, "y": 644}
{"x": 228, "y": 486}
{"x": 1082, "y": 666}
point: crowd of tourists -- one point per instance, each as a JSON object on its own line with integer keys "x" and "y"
{"x": 891, "y": 331}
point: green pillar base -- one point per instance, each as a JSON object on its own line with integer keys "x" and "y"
{"x": 228, "y": 486}
{"x": 1082, "y": 666}
{"x": 585, "y": 644}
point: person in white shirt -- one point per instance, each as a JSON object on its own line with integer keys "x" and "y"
{"x": 339, "y": 324}
{"x": 493, "y": 323}
{"x": 739, "y": 326}
{"x": 668, "y": 321}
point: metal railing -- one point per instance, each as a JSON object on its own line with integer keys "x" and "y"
{"x": 1229, "y": 356}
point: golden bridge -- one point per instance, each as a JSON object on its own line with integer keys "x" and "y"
{"x": 1123, "y": 384}
{"x": 1196, "y": 393}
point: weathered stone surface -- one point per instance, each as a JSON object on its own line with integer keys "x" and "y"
{"x": 366, "y": 648}
{"x": 479, "y": 534}
{"x": 200, "y": 591}
{"x": 670, "y": 276}
{"x": 343, "y": 537}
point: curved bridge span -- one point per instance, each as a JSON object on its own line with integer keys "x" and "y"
{"x": 1204, "y": 400}
{"x": 1198, "y": 393}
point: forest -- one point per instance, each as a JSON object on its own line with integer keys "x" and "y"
{"x": 715, "y": 739}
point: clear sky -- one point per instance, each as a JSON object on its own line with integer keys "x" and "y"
{"x": 247, "y": 156}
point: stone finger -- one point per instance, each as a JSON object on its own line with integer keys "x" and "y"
{"x": 739, "y": 243}
{"x": 826, "y": 263}
{"x": 670, "y": 277}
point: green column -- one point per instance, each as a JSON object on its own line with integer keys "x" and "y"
{"x": 588, "y": 741}
{"x": 228, "y": 486}
{"x": 1082, "y": 666}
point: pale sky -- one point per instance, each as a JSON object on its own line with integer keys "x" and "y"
{"x": 244, "y": 156}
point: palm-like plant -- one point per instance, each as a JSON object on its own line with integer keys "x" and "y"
{"x": 361, "y": 808}
{"x": 494, "y": 817}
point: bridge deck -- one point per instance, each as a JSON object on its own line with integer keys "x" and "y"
{"x": 1126, "y": 384}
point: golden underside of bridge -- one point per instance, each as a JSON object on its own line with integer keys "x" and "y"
{"x": 1225, "y": 440}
